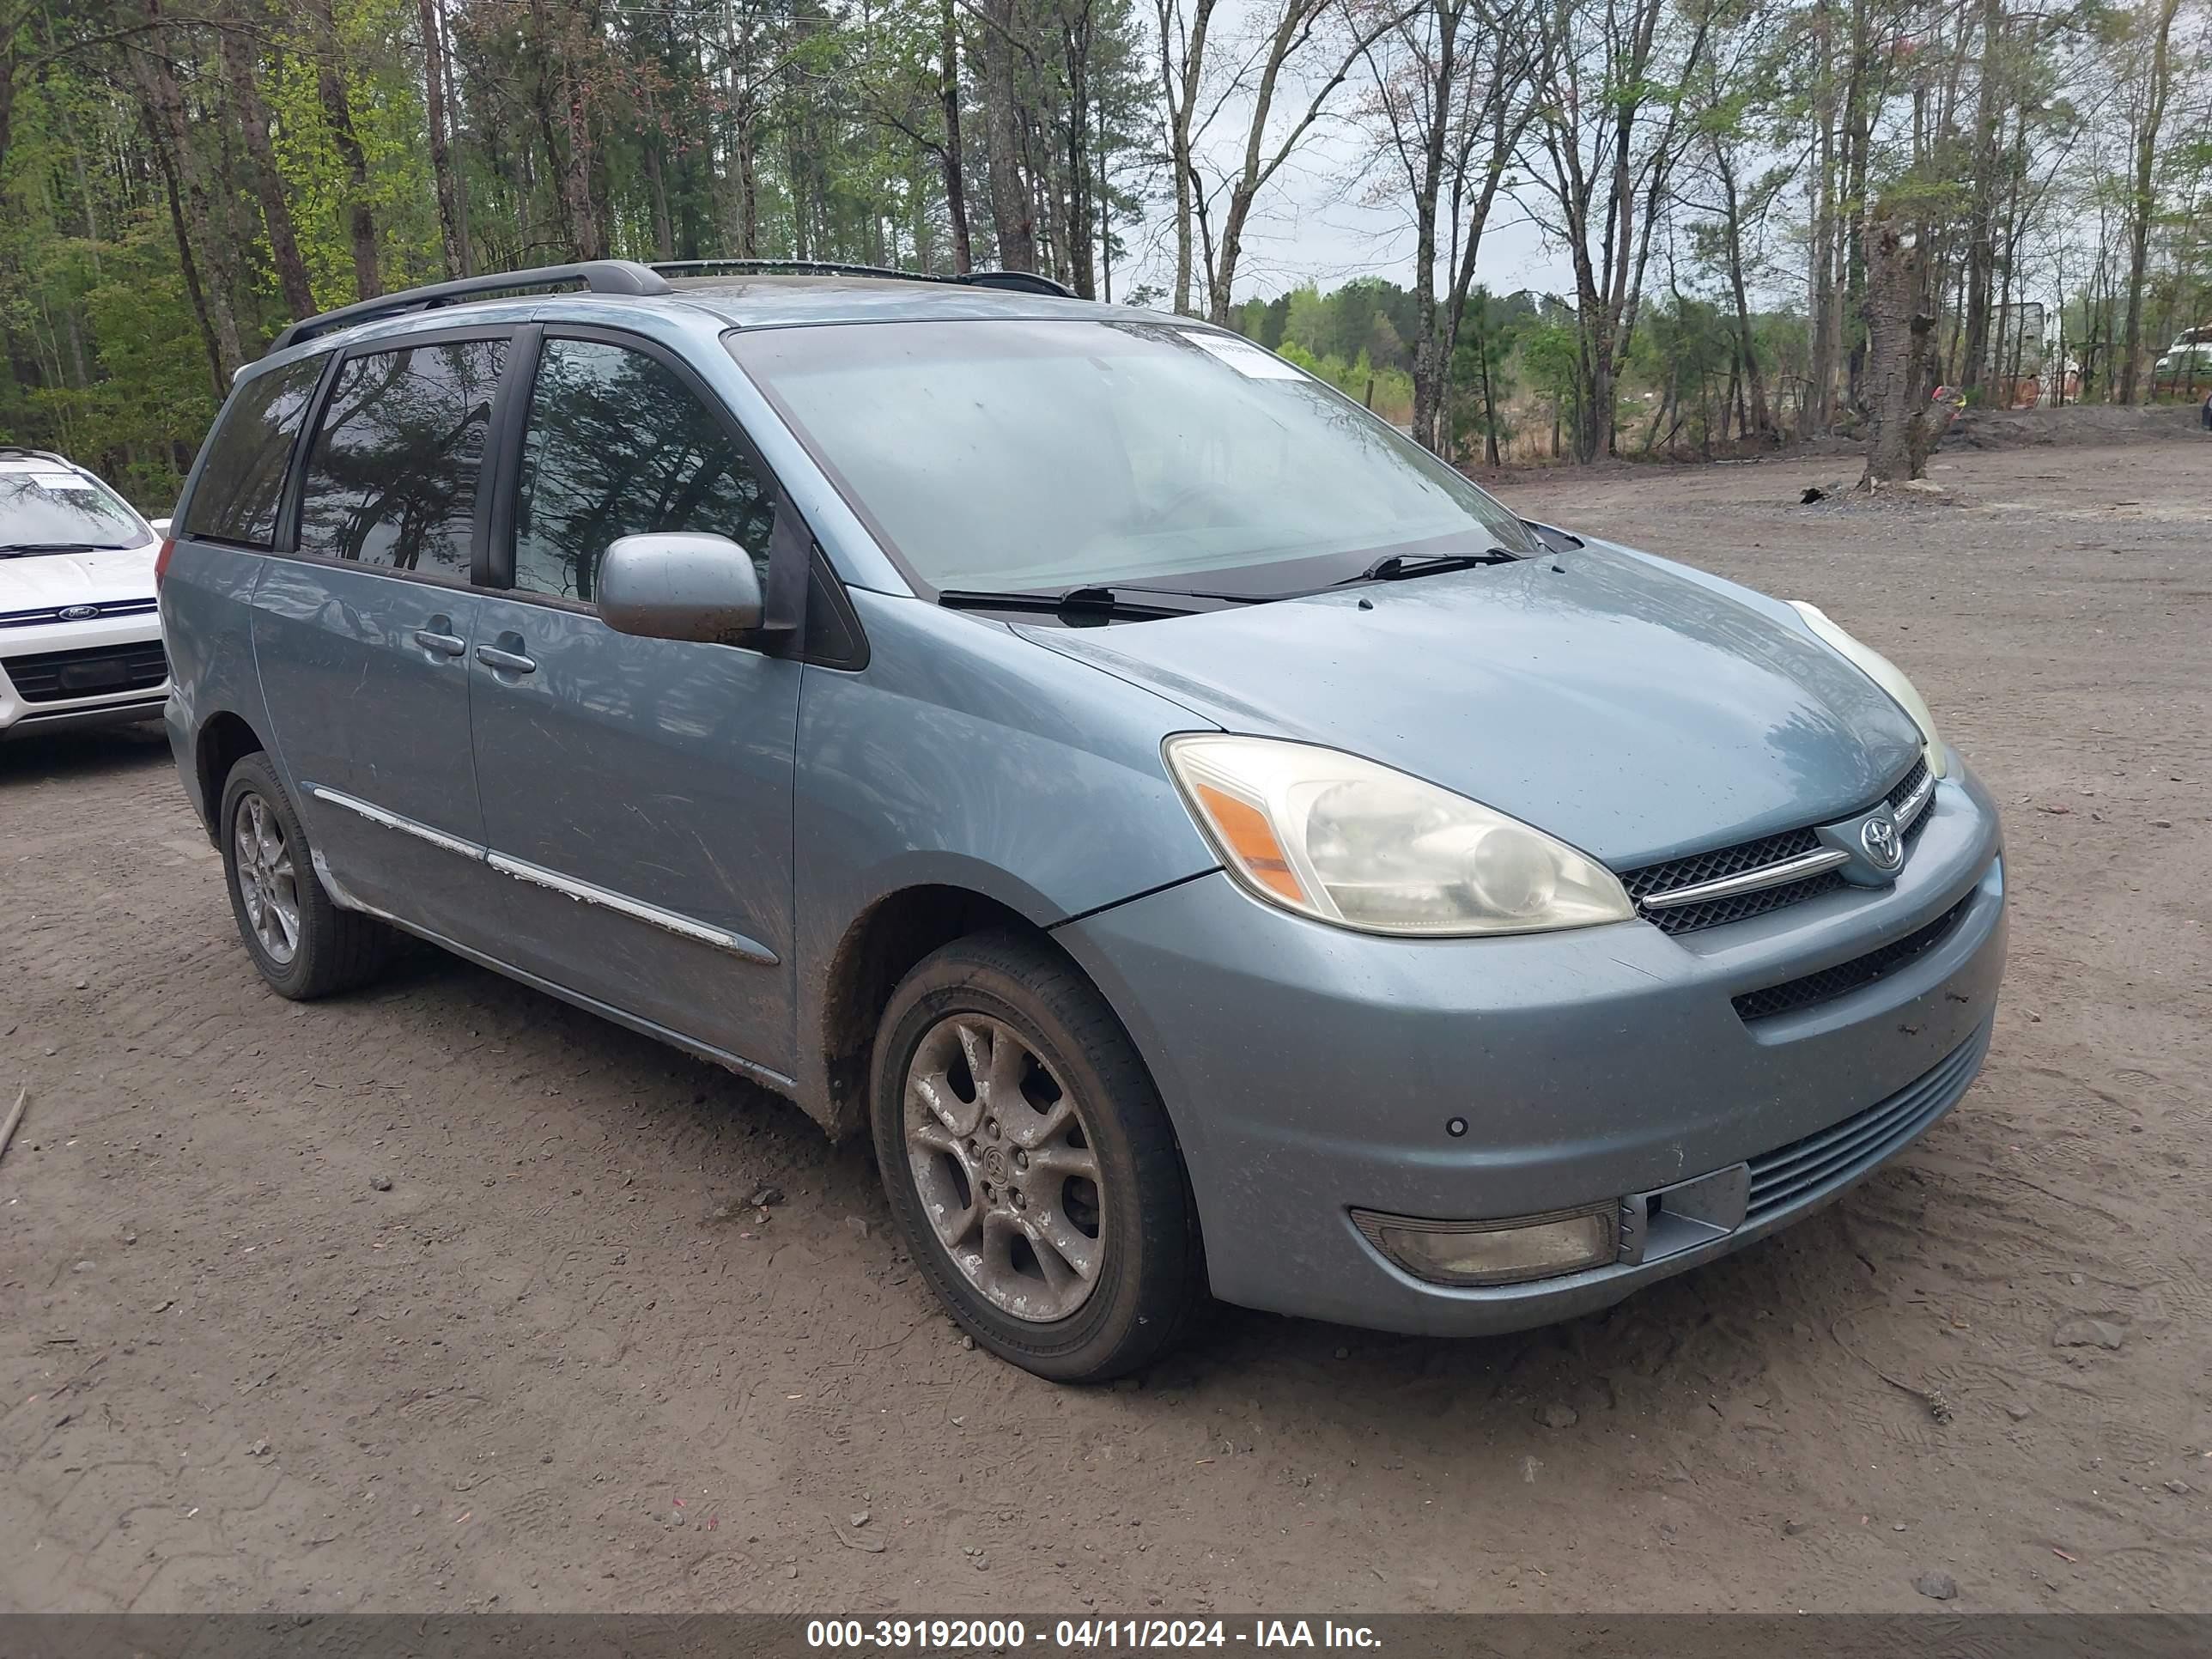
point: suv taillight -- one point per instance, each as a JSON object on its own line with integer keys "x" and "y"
{"x": 161, "y": 559}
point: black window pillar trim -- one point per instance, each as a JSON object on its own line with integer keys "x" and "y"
{"x": 494, "y": 563}
{"x": 792, "y": 553}
{"x": 790, "y": 557}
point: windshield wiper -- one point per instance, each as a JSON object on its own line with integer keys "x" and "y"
{"x": 1095, "y": 601}
{"x": 1396, "y": 566}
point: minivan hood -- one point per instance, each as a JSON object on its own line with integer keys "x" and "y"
{"x": 34, "y": 581}
{"x": 1633, "y": 709}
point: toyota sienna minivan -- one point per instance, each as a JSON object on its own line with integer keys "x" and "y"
{"x": 1209, "y": 845}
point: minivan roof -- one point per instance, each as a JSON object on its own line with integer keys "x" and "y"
{"x": 739, "y": 294}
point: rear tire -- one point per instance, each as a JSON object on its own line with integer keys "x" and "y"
{"x": 1050, "y": 1155}
{"x": 304, "y": 945}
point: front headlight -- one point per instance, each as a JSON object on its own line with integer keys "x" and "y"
{"x": 1884, "y": 673}
{"x": 1342, "y": 839}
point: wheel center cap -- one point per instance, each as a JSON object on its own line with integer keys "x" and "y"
{"x": 994, "y": 1163}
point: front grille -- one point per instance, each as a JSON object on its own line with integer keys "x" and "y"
{"x": 1911, "y": 781}
{"x": 1688, "y": 918}
{"x": 1746, "y": 856}
{"x": 1720, "y": 861}
{"x": 1833, "y": 1156}
{"x": 53, "y": 613}
{"x": 1846, "y": 977}
{"x": 96, "y": 671}
{"x": 1910, "y": 832}
{"x": 1723, "y": 862}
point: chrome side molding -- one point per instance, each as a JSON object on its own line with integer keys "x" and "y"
{"x": 583, "y": 892}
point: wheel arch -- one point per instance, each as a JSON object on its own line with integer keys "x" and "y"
{"x": 878, "y": 949}
{"x": 224, "y": 738}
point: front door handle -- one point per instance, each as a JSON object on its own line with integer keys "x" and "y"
{"x": 507, "y": 662}
{"x": 434, "y": 638}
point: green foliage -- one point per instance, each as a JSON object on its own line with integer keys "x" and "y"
{"x": 1387, "y": 391}
{"x": 707, "y": 127}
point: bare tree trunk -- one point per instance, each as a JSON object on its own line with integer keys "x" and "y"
{"x": 1430, "y": 368}
{"x": 1013, "y": 211}
{"x": 1824, "y": 345}
{"x": 219, "y": 371}
{"x": 1851, "y": 251}
{"x": 1489, "y": 403}
{"x": 1181, "y": 85}
{"x": 203, "y": 251}
{"x": 331, "y": 89}
{"x": 748, "y": 191}
{"x": 1982, "y": 243}
{"x": 1077, "y": 254}
{"x": 955, "y": 181}
{"x": 1755, "y": 377}
{"x": 242, "y": 82}
{"x": 451, "y": 225}
{"x": 663, "y": 227}
{"x": 2144, "y": 201}
{"x": 1899, "y": 354}
{"x": 1293, "y": 29}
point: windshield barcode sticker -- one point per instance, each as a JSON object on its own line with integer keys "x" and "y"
{"x": 1254, "y": 362}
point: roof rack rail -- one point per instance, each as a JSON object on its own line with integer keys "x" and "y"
{"x": 35, "y": 454}
{"x": 597, "y": 276}
{"x": 1020, "y": 281}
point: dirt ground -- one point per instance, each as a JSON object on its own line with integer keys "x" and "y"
{"x": 559, "y": 1365}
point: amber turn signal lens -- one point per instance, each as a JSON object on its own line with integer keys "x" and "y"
{"x": 1245, "y": 832}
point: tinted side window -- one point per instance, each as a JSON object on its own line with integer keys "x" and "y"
{"x": 618, "y": 445}
{"x": 391, "y": 478}
{"x": 236, "y": 498}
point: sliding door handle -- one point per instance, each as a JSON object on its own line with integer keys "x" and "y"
{"x": 507, "y": 662}
{"x": 442, "y": 644}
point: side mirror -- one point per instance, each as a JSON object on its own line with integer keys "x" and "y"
{"x": 159, "y": 527}
{"x": 677, "y": 586}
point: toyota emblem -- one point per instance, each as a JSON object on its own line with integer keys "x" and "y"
{"x": 1878, "y": 837}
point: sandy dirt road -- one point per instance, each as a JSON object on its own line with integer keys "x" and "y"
{"x": 560, "y": 1364}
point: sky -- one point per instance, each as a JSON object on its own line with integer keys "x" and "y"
{"x": 1318, "y": 221}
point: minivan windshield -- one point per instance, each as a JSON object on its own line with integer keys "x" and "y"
{"x": 46, "y": 507}
{"x": 1029, "y": 456}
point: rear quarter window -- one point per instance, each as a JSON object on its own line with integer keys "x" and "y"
{"x": 242, "y": 481}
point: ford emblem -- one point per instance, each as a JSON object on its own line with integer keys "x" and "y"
{"x": 79, "y": 612}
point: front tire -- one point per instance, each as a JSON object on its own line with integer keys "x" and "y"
{"x": 1030, "y": 1164}
{"x": 304, "y": 945}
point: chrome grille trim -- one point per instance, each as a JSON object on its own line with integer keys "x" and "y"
{"x": 1770, "y": 875}
{"x": 1907, "y": 807}
{"x": 53, "y": 613}
{"x": 1757, "y": 876}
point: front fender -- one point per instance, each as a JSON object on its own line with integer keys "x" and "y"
{"x": 964, "y": 756}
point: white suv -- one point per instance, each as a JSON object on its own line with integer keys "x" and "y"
{"x": 80, "y": 639}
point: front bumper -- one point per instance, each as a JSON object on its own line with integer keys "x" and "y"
{"x": 41, "y": 711}
{"x": 1309, "y": 1071}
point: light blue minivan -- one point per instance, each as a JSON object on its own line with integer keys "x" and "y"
{"x": 1210, "y": 846}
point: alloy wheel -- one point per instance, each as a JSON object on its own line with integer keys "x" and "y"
{"x": 268, "y": 884}
{"x": 1005, "y": 1169}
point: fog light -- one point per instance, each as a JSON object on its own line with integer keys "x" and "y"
{"x": 1496, "y": 1252}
